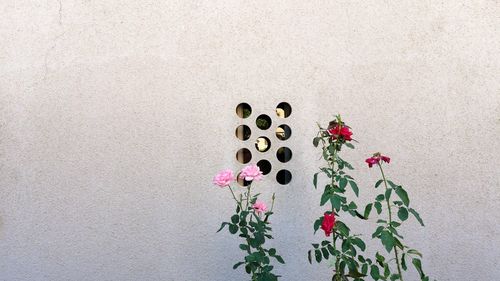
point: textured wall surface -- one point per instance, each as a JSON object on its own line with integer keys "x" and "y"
{"x": 115, "y": 115}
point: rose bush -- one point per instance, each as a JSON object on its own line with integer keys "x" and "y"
{"x": 251, "y": 223}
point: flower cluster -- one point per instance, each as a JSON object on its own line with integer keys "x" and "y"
{"x": 249, "y": 173}
{"x": 376, "y": 158}
{"x": 251, "y": 223}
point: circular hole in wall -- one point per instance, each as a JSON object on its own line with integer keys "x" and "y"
{"x": 243, "y": 110}
{"x": 284, "y": 154}
{"x": 243, "y": 156}
{"x": 263, "y": 122}
{"x": 263, "y": 144}
{"x": 265, "y": 166}
{"x": 283, "y": 132}
{"x": 283, "y": 110}
{"x": 243, "y": 132}
{"x": 242, "y": 182}
{"x": 284, "y": 177}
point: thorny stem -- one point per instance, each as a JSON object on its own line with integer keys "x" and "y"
{"x": 390, "y": 222}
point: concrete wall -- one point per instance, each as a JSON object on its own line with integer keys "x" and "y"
{"x": 115, "y": 115}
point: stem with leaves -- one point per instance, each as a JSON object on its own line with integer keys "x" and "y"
{"x": 387, "y": 229}
{"x": 343, "y": 247}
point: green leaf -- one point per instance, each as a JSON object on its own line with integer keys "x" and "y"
{"x": 378, "y": 206}
{"x": 316, "y": 141}
{"x": 358, "y": 242}
{"x": 336, "y": 201}
{"x": 418, "y": 266}
{"x": 393, "y": 185}
{"x": 317, "y": 254}
{"x": 417, "y": 216}
{"x": 352, "y": 206}
{"x": 388, "y": 193}
{"x": 315, "y": 180}
{"x": 343, "y": 183}
{"x": 244, "y": 247}
{"x": 238, "y": 264}
{"x": 235, "y": 219}
{"x": 317, "y": 224}
{"x": 355, "y": 188}
{"x": 387, "y": 240}
{"x": 414, "y": 252}
{"x": 377, "y": 231}
{"x": 403, "y": 262}
{"x": 325, "y": 253}
{"x": 309, "y": 258}
{"x": 374, "y": 272}
{"x": 380, "y": 197}
{"x": 233, "y": 228}
{"x": 272, "y": 252}
{"x": 403, "y": 195}
{"x": 368, "y": 209}
{"x": 325, "y": 197}
{"x": 403, "y": 214}
{"x": 380, "y": 259}
{"x": 379, "y": 182}
{"x": 348, "y": 144}
{"x": 342, "y": 228}
{"x": 222, "y": 226}
{"x": 279, "y": 259}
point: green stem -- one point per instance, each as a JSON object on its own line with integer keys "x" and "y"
{"x": 234, "y": 197}
{"x": 390, "y": 222}
{"x": 335, "y": 236}
{"x": 248, "y": 195}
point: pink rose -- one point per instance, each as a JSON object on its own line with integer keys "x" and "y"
{"x": 250, "y": 173}
{"x": 259, "y": 207}
{"x": 224, "y": 178}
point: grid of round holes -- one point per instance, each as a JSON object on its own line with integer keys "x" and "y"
{"x": 262, "y": 144}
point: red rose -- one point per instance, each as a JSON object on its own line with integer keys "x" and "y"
{"x": 375, "y": 159}
{"x": 385, "y": 158}
{"x": 328, "y": 223}
{"x": 343, "y": 131}
{"x": 372, "y": 161}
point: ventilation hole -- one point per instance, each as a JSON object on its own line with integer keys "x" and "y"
{"x": 243, "y": 132}
{"x": 284, "y": 154}
{"x": 284, "y": 177}
{"x": 243, "y": 156}
{"x": 263, "y": 122}
{"x": 283, "y": 132}
{"x": 243, "y": 110}
{"x": 283, "y": 110}
{"x": 263, "y": 144}
{"x": 242, "y": 182}
{"x": 264, "y": 166}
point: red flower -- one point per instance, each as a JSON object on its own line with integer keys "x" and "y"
{"x": 342, "y": 131}
{"x": 375, "y": 159}
{"x": 328, "y": 223}
{"x": 385, "y": 159}
{"x": 372, "y": 161}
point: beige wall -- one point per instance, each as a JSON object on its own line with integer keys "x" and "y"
{"x": 114, "y": 116}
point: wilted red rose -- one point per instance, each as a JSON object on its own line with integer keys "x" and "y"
{"x": 341, "y": 131}
{"x": 328, "y": 223}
